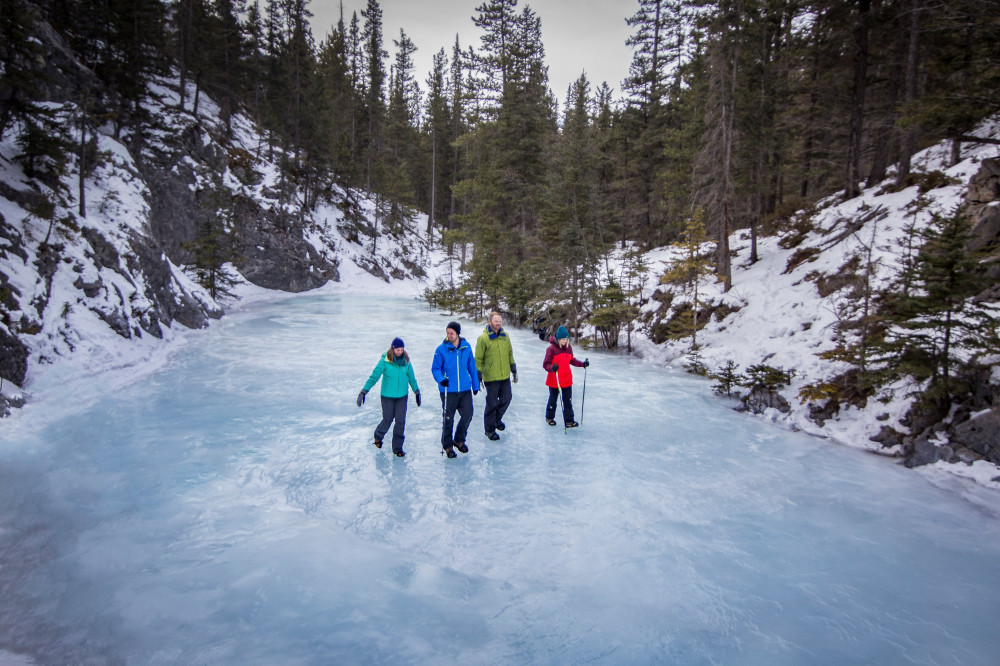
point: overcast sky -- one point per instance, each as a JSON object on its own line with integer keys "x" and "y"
{"x": 579, "y": 35}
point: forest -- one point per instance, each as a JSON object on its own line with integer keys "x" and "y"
{"x": 735, "y": 115}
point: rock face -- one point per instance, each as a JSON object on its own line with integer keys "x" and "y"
{"x": 983, "y": 208}
{"x": 13, "y": 358}
{"x": 761, "y": 399}
{"x": 980, "y": 434}
{"x": 271, "y": 250}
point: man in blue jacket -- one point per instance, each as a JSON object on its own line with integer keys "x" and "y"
{"x": 454, "y": 369}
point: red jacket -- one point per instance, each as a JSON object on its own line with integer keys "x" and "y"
{"x": 563, "y": 357}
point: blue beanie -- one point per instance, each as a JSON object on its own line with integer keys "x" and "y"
{"x": 561, "y": 333}
{"x": 397, "y": 343}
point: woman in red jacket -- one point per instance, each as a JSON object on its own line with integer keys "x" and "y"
{"x": 557, "y": 363}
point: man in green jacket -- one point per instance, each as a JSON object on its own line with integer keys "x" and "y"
{"x": 396, "y": 373}
{"x": 495, "y": 362}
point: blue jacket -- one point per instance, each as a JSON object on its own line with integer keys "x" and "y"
{"x": 458, "y": 364}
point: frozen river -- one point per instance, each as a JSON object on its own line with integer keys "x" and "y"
{"x": 230, "y": 509}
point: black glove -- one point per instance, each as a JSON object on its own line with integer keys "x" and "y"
{"x": 444, "y": 382}
{"x": 418, "y": 398}
{"x": 555, "y": 367}
{"x": 513, "y": 377}
{"x": 480, "y": 375}
{"x": 361, "y": 397}
{"x": 513, "y": 372}
{"x": 475, "y": 392}
{"x": 586, "y": 363}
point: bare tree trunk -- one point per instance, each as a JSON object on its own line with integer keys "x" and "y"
{"x": 83, "y": 154}
{"x": 430, "y": 218}
{"x": 912, "y": 61}
{"x": 729, "y": 109}
{"x": 853, "y": 173}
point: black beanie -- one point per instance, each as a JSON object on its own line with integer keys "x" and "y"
{"x": 455, "y": 326}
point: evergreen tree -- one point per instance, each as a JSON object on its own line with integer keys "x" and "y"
{"x": 691, "y": 267}
{"x": 334, "y": 100}
{"x": 939, "y": 324}
{"x": 402, "y": 117}
{"x": 507, "y": 152}
{"x": 657, "y": 40}
{"x": 962, "y": 72}
{"x": 228, "y": 58}
{"x": 438, "y": 132}
{"x": 213, "y": 248}
{"x": 254, "y": 68}
{"x": 20, "y": 80}
{"x": 495, "y": 60}
{"x": 374, "y": 87}
{"x": 715, "y": 167}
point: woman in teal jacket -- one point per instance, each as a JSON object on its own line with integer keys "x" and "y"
{"x": 396, "y": 373}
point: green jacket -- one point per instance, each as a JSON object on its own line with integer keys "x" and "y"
{"x": 494, "y": 355}
{"x": 395, "y": 377}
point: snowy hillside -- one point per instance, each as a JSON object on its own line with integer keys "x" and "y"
{"x": 82, "y": 294}
{"x": 783, "y": 318}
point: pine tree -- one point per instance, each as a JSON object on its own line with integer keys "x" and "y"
{"x": 334, "y": 100}
{"x": 658, "y": 41}
{"x": 715, "y": 176}
{"x": 20, "y": 79}
{"x": 495, "y": 61}
{"x": 506, "y": 150}
{"x": 214, "y": 246}
{"x": 438, "y": 132}
{"x": 402, "y": 139}
{"x": 691, "y": 267}
{"x": 374, "y": 87}
{"x": 939, "y": 324}
{"x": 228, "y": 57}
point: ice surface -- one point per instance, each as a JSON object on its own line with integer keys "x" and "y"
{"x": 230, "y": 508}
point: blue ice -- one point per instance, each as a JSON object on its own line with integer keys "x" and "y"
{"x": 230, "y": 509}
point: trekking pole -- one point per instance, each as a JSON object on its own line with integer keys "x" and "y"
{"x": 444, "y": 410}
{"x": 561, "y": 405}
{"x": 583, "y": 400}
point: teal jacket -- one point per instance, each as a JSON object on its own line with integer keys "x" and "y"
{"x": 395, "y": 376}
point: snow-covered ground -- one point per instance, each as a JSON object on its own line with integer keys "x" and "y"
{"x": 782, "y": 319}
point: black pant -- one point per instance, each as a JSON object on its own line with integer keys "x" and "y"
{"x": 393, "y": 409}
{"x": 567, "y": 399}
{"x": 497, "y": 401}
{"x": 450, "y": 402}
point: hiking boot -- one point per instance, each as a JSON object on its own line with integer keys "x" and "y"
{"x": 550, "y": 421}
{"x": 461, "y": 447}
{"x": 378, "y": 443}
{"x": 400, "y": 454}
{"x": 450, "y": 452}
{"x": 492, "y": 436}
{"x": 501, "y": 426}
{"x": 572, "y": 424}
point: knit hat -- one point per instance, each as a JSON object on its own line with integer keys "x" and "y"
{"x": 397, "y": 343}
{"x": 455, "y": 326}
{"x": 561, "y": 333}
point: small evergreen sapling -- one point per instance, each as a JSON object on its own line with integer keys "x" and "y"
{"x": 727, "y": 378}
